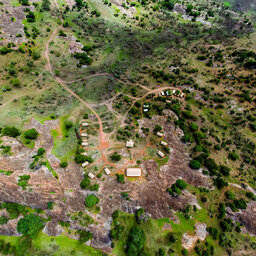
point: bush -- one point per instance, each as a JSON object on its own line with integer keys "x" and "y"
{"x": 40, "y": 151}
{"x": 31, "y": 17}
{"x": 91, "y": 200}
{"x": 85, "y": 183}
{"x": 3, "y": 220}
{"x": 115, "y": 157}
{"x": 194, "y": 164}
{"x": 30, "y": 225}
{"x": 14, "y": 209}
{"x": 214, "y": 232}
{"x": 4, "y": 50}
{"x": 233, "y": 156}
{"x": 36, "y": 55}
{"x": 68, "y": 124}
{"x": 50, "y": 205}
{"x": 220, "y": 183}
{"x": 16, "y": 82}
{"x": 31, "y": 134}
{"x": 120, "y": 178}
{"x": 10, "y": 131}
{"x": 94, "y": 187}
{"x": 63, "y": 164}
{"x": 84, "y": 236}
{"x": 136, "y": 241}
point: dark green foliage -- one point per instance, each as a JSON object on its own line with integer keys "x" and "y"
{"x": 50, "y": 205}
{"x": 222, "y": 210}
{"x": 169, "y": 4}
{"x": 14, "y": 209}
{"x": 176, "y": 188}
{"x": 184, "y": 252}
{"x": 220, "y": 183}
{"x": 233, "y": 156}
{"x": 83, "y": 58}
{"x": 161, "y": 252}
{"x": 115, "y": 157}
{"x": 40, "y": 151}
{"x": 31, "y": 134}
{"x": 120, "y": 178}
{"x": 157, "y": 128}
{"x": 4, "y": 50}
{"x": 224, "y": 170}
{"x": 116, "y": 231}
{"x": 250, "y": 195}
{"x": 85, "y": 183}
{"x": 24, "y": 2}
{"x": 194, "y": 164}
{"x": 23, "y": 181}
{"x": 138, "y": 215}
{"x": 172, "y": 237}
{"x": 68, "y": 124}
{"x": 91, "y": 200}
{"x": 84, "y": 236}
{"x": 226, "y": 225}
{"x": 63, "y": 164}
{"x": 46, "y": 5}
{"x": 135, "y": 242}
{"x": 230, "y": 195}
{"x": 31, "y": 16}
{"x": 237, "y": 204}
{"x": 79, "y": 159}
{"x": 94, "y": 187}
{"x": 61, "y": 33}
{"x": 30, "y": 225}
{"x": 10, "y": 131}
{"x": 3, "y": 220}
{"x": 214, "y": 232}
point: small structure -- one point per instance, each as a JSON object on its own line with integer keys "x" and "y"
{"x": 146, "y": 106}
{"x": 107, "y": 171}
{"x": 129, "y": 144}
{"x": 85, "y": 124}
{"x": 85, "y": 164}
{"x": 167, "y": 93}
{"x": 145, "y": 110}
{"x": 173, "y": 91}
{"x": 84, "y": 153}
{"x": 159, "y": 134}
{"x": 163, "y": 143}
{"x": 133, "y": 172}
{"x": 182, "y": 95}
{"x": 91, "y": 175}
{"x": 83, "y": 134}
{"x": 162, "y": 92}
{"x": 85, "y": 144}
{"x": 161, "y": 154}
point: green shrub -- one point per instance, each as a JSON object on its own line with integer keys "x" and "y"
{"x": 194, "y": 164}
{"x": 30, "y": 225}
{"x": 135, "y": 242}
{"x": 10, "y": 131}
{"x": 120, "y": 178}
{"x": 3, "y": 220}
{"x": 84, "y": 236}
{"x": 115, "y": 157}
{"x": 31, "y": 134}
{"x": 85, "y": 183}
{"x": 63, "y": 164}
{"x": 91, "y": 200}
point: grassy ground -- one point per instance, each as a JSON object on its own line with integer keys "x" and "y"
{"x": 57, "y": 246}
